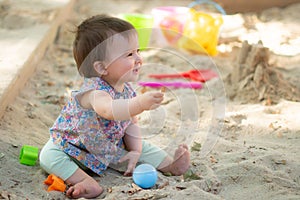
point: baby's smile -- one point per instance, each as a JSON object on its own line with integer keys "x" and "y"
{"x": 136, "y": 69}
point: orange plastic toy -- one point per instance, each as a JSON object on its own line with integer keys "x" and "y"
{"x": 55, "y": 183}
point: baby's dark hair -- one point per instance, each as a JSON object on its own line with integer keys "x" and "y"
{"x": 90, "y": 33}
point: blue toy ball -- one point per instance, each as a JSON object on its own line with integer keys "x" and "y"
{"x": 145, "y": 176}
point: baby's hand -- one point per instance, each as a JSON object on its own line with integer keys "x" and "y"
{"x": 132, "y": 157}
{"x": 150, "y": 100}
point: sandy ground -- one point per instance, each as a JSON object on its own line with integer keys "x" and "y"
{"x": 244, "y": 145}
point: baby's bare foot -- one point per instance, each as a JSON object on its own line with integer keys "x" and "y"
{"x": 181, "y": 162}
{"x": 83, "y": 189}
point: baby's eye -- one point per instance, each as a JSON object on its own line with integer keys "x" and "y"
{"x": 129, "y": 54}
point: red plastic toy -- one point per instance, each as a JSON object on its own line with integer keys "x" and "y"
{"x": 201, "y": 75}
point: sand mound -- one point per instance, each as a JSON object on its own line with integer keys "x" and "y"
{"x": 254, "y": 79}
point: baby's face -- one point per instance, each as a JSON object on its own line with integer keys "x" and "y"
{"x": 120, "y": 44}
{"x": 123, "y": 58}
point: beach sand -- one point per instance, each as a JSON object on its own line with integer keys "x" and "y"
{"x": 243, "y": 134}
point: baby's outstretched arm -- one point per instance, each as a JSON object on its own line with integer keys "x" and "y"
{"x": 120, "y": 109}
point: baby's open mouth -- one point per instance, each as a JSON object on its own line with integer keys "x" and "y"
{"x": 136, "y": 70}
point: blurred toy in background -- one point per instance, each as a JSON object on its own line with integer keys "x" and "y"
{"x": 201, "y": 75}
{"x": 170, "y": 21}
{"x": 168, "y": 24}
{"x": 201, "y": 33}
{"x": 187, "y": 28}
{"x": 175, "y": 84}
{"x": 143, "y": 24}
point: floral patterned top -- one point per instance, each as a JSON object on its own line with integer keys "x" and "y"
{"x": 83, "y": 134}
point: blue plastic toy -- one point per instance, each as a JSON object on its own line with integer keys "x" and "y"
{"x": 145, "y": 176}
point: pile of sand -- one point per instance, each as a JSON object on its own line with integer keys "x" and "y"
{"x": 254, "y": 80}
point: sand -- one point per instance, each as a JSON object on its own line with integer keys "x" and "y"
{"x": 243, "y": 145}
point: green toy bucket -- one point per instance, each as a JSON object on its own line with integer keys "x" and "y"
{"x": 28, "y": 155}
{"x": 143, "y": 24}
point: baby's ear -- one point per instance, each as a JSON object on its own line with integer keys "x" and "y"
{"x": 100, "y": 68}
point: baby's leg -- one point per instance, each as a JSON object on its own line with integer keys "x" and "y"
{"x": 83, "y": 185}
{"x": 179, "y": 164}
{"x": 55, "y": 161}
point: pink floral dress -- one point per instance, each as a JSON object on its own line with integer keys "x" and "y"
{"x": 83, "y": 134}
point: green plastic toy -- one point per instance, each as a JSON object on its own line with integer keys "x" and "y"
{"x": 29, "y": 155}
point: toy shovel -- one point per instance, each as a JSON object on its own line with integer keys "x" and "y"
{"x": 179, "y": 84}
{"x": 201, "y": 75}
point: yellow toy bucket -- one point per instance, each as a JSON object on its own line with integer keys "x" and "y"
{"x": 143, "y": 24}
{"x": 201, "y": 33}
